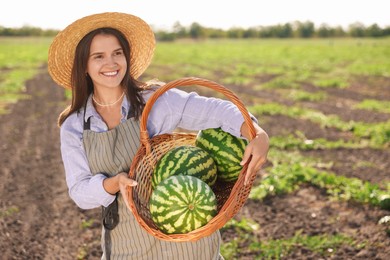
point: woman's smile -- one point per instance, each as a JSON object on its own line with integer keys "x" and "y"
{"x": 111, "y": 73}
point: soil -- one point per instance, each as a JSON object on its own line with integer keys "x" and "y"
{"x": 38, "y": 220}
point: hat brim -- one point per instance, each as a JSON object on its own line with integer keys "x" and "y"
{"x": 138, "y": 33}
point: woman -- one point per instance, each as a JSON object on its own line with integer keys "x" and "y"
{"x": 100, "y": 57}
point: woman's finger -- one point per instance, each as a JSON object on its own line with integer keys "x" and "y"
{"x": 254, "y": 167}
{"x": 247, "y": 155}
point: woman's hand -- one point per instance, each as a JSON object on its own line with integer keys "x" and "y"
{"x": 256, "y": 151}
{"x": 123, "y": 182}
{"x": 118, "y": 182}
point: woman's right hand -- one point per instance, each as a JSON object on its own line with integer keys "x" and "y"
{"x": 123, "y": 179}
{"x": 118, "y": 182}
{"x": 123, "y": 182}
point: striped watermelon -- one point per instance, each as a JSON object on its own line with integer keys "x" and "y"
{"x": 227, "y": 151}
{"x": 185, "y": 160}
{"x": 182, "y": 203}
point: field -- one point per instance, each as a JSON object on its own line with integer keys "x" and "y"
{"x": 323, "y": 194}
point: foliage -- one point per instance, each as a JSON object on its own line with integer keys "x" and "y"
{"x": 26, "y": 31}
{"x": 331, "y": 82}
{"x": 20, "y": 60}
{"x": 289, "y": 171}
{"x": 324, "y": 245}
{"x": 298, "y": 141}
{"x": 378, "y": 133}
{"x": 301, "y": 95}
{"x": 374, "y": 105}
{"x": 300, "y": 29}
{"x": 87, "y": 223}
{"x": 9, "y": 212}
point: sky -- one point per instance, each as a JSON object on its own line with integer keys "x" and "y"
{"x": 223, "y": 14}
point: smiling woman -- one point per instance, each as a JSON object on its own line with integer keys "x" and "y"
{"x": 302, "y": 151}
{"x": 100, "y": 57}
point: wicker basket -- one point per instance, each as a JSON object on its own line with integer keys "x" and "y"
{"x": 230, "y": 196}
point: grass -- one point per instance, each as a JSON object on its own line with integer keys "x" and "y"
{"x": 301, "y": 95}
{"x": 82, "y": 252}
{"x": 331, "y": 82}
{"x": 377, "y": 133}
{"x": 87, "y": 223}
{"x": 20, "y": 60}
{"x": 324, "y": 245}
{"x": 9, "y": 212}
{"x": 290, "y": 170}
{"x": 298, "y": 141}
{"x": 246, "y": 243}
{"x": 329, "y": 62}
{"x": 374, "y": 105}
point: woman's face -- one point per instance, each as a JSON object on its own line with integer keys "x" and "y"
{"x": 106, "y": 63}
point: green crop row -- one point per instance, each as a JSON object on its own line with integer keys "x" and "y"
{"x": 298, "y": 141}
{"x": 290, "y": 170}
{"x": 374, "y": 105}
{"x": 246, "y": 242}
{"x": 377, "y": 133}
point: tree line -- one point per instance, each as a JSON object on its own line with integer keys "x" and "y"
{"x": 196, "y": 31}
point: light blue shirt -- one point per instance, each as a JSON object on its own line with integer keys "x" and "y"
{"x": 174, "y": 109}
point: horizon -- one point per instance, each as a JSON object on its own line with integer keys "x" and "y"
{"x": 316, "y": 26}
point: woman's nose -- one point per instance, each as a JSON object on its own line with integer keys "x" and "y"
{"x": 111, "y": 61}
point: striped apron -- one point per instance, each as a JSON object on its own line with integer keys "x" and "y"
{"x": 110, "y": 153}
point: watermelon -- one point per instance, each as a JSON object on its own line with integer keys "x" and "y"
{"x": 182, "y": 203}
{"x": 185, "y": 160}
{"x": 226, "y": 149}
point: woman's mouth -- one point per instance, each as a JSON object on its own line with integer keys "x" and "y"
{"x": 110, "y": 73}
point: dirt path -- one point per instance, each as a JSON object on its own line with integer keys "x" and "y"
{"x": 39, "y": 220}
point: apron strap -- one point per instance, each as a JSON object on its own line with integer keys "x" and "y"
{"x": 87, "y": 124}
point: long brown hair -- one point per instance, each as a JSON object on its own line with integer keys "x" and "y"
{"x": 82, "y": 85}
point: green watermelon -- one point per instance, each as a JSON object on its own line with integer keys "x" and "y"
{"x": 185, "y": 160}
{"x": 182, "y": 203}
{"x": 227, "y": 151}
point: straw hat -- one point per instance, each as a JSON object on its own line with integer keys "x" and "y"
{"x": 138, "y": 33}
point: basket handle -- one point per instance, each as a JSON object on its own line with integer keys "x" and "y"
{"x": 144, "y": 136}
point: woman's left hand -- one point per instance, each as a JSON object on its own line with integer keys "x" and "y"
{"x": 256, "y": 151}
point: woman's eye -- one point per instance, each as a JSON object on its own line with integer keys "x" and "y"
{"x": 118, "y": 53}
{"x": 98, "y": 57}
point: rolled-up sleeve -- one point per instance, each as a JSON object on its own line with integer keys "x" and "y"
{"x": 85, "y": 189}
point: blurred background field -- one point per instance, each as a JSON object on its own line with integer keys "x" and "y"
{"x": 325, "y": 104}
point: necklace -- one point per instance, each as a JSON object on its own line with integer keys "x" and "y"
{"x": 107, "y": 105}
